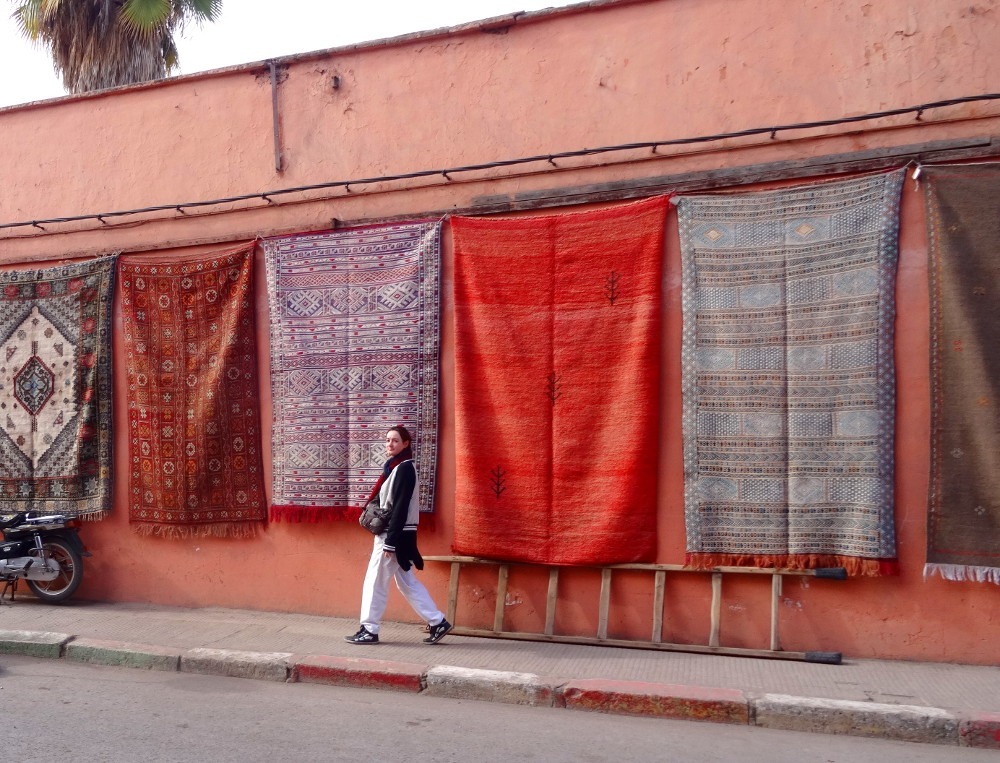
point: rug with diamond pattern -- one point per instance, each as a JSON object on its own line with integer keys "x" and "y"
{"x": 193, "y": 410}
{"x": 354, "y": 350}
{"x": 55, "y": 389}
{"x": 787, "y": 375}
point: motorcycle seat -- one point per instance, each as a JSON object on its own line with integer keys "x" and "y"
{"x": 13, "y": 520}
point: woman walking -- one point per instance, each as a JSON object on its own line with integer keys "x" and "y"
{"x": 395, "y": 551}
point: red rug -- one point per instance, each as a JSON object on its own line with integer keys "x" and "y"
{"x": 193, "y": 412}
{"x": 557, "y": 380}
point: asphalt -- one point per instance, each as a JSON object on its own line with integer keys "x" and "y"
{"x": 912, "y": 701}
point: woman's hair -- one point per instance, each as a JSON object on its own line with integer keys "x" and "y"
{"x": 403, "y": 432}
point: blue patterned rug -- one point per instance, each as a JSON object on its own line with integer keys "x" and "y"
{"x": 788, "y": 377}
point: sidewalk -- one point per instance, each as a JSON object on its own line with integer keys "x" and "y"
{"x": 923, "y": 702}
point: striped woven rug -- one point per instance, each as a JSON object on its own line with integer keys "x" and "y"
{"x": 355, "y": 345}
{"x": 788, "y": 376}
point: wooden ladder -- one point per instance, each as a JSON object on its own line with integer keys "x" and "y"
{"x": 659, "y": 584}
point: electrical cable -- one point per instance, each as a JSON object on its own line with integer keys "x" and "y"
{"x": 550, "y": 158}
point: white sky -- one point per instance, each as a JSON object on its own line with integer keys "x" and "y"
{"x": 254, "y": 30}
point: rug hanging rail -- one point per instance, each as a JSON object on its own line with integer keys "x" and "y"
{"x": 656, "y": 642}
{"x": 875, "y": 160}
{"x": 446, "y": 172}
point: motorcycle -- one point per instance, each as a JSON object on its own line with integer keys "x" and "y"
{"x": 44, "y": 551}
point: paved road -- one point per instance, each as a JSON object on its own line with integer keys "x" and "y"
{"x": 58, "y": 710}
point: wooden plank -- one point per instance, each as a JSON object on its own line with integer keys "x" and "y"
{"x": 602, "y": 618}
{"x": 498, "y": 613}
{"x": 659, "y": 584}
{"x": 716, "y": 615}
{"x": 775, "y": 603}
{"x": 453, "y": 591}
{"x": 636, "y": 566}
{"x": 551, "y": 600}
{"x": 662, "y": 647}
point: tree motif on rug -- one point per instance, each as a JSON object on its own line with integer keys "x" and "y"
{"x": 557, "y": 376}
{"x": 355, "y": 317}
{"x": 193, "y": 409}
{"x": 788, "y": 375}
{"x": 55, "y": 389}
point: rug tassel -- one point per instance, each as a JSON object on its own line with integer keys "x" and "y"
{"x": 94, "y": 516}
{"x": 311, "y": 514}
{"x": 963, "y": 572}
{"x": 854, "y": 566}
{"x": 219, "y": 530}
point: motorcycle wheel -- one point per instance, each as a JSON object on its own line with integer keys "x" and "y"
{"x": 70, "y": 576}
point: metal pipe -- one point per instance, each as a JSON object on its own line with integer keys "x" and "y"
{"x": 275, "y": 122}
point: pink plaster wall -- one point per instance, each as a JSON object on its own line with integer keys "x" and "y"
{"x": 618, "y": 73}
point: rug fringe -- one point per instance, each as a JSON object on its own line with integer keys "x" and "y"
{"x": 855, "y": 566}
{"x": 315, "y": 514}
{"x": 962, "y": 572}
{"x": 94, "y": 516}
{"x": 217, "y": 530}
{"x": 427, "y": 521}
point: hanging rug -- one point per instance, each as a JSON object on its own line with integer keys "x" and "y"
{"x": 193, "y": 410}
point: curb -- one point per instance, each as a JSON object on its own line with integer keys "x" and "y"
{"x": 489, "y": 685}
{"x": 908, "y": 723}
{"x": 689, "y": 703}
{"x": 904, "y": 723}
{"x": 123, "y": 654}
{"x": 264, "y": 666}
{"x": 980, "y": 730}
{"x": 33, "y": 643}
{"x": 358, "y": 673}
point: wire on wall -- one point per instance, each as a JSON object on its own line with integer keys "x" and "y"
{"x": 447, "y": 173}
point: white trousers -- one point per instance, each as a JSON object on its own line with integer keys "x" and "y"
{"x": 375, "y": 594}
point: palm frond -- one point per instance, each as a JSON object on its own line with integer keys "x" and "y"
{"x": 96, "y": 44}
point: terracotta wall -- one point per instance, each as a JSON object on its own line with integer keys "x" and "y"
{"x": 607, "y": 74}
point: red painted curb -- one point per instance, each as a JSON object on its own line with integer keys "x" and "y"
{"x": 359, "y": 672}
{"x": 694, "y": 703}
{"x": 980, "y": 730}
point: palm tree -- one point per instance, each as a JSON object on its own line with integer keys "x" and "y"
{"x": 105, "y": 43}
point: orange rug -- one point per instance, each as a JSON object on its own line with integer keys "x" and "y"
{"x": 557, "y": 381}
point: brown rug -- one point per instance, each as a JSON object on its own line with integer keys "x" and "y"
{"x": 963, "y": 529}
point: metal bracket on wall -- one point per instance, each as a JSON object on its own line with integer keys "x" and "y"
{"x": 278, "y": 75}
{"x": 659, "y": 583}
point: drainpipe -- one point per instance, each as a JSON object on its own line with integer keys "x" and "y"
{"x": 275, "y": 121}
